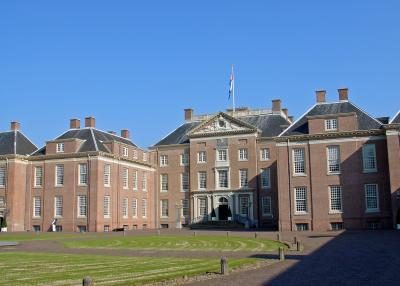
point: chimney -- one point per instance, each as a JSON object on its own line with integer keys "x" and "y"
{"x": 343, "y": 94}
{"x": 321, "y": 96}
{"x": 291, "y": 119}
{"x": 286, "y": 112}
{"x": 276, "y": 105}
{"x": 90, "y": 122}
{"x": 112, "y": 132}
{"x": 15, "y": 125}
{"x": 188, "y": 114}
{"x": 74, "y": 123}
{"x": 125, "y": 133}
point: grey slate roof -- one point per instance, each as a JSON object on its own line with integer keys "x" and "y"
{"x": 396, "y": 119}
{"x": 93, "y": 140}
{"x": 15, "y": 143}
{"x": 269, "y": 124}
{"x": 365, "y": 121}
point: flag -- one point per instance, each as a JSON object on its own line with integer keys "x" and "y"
{"x": 231, "y": 84}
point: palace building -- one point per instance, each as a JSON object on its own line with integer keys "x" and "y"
{"x": 336, "y": 167}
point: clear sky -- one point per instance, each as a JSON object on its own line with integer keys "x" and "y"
{"x": 138, "y": 64}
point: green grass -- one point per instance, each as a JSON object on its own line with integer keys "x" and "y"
{"x": 69, "y": 269}
{"x": 12, "y": 236}
{"x": 187, "y": 243}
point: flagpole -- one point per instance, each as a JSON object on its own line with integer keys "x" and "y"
{"x": 233, "y": 90}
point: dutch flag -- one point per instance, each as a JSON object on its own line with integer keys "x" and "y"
{"x": 231, "y": 84}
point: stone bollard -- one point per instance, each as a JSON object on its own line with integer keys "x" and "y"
{"x": 194, "y": 233}
{"x": 255, "y": 235}
{"x": 278, "y": 237}
{"x": 298, "y": 246}
{"x": 87, "y": 281}
{"x": 224, "y": 266}
{"x": 281, "y": 254}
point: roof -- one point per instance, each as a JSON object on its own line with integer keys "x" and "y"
{"x": 15, "y": 143}
{"x": 269, "y": 124}
{"x": 300, "y": 126}
{"x": 396, "y": 118}
{"x": 93, "y": 140}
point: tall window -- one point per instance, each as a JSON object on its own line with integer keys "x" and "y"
{"x": 243, "y": 178}
{"x": 371, "y": 198}
{"x": 38, "y": 181}
{"x": 125, "y": 151}
{"x": 106, "y": 206}
{"x": 37, "y": 207}
{"x": 2, "y": 176}
{"x": 134, "y": 207}
{"x": 333, "y": 154}
{"x": 185, "y": 207}
{"x": 82, "y": 206}
{"x": 203, "y": 207}
{"x": 300, "y": 200}
{"x": 185, "y": 181}
{"x": 331, "y": 124}
{"x": 164, "y": 208}
{"x": 265, "y": 178}
{"x": 243, "y": 154}
{"x": 144, "y": 182}
{"x": 244, "y": 206}
{"x": 58, "y": 206}
{"x": 335, "y": 194}
{"x": 125, "y": 178}
{"x": 59, "y": 175}
{"x": 223, "y": 178}
{"x": 60, "y": 147}
{"x": 201, "y": 157}
{"x": 134, "y": 180}
{"x": 202, "y": 176}
{"x": 298, "y": 161}
{"x": 144, "y": 208}
{"x": 222, "y": 154}
{"x": 163, "y": 160}
{"x": 369, "y": 158}
{"x": 83, "y": 174}
{"x": 107, "y": 175}
{"x": 164, "y": 182}
{"x": 266, "y": 206}
{"x": 125, "y": 208}
{"x": 2, "y": 201}
{"x": 184, "y": 159}
{"x": 265, "y": 154}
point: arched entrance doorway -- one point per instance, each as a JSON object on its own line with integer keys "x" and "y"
{"x": 223, "y": 208}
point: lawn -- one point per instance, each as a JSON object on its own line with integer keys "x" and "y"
{"x": 23, "y": 236}
{"x": 69, "y": 269}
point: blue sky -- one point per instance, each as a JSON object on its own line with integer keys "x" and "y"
{"x": 138, "y": 64}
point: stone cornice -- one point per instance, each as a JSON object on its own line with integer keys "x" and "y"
{"x": 331, "y": 135}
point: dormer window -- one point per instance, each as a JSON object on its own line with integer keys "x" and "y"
{"x": 125, "y": 150}
{"x": 331, "y": 124}
{"x": 60, "y": 148}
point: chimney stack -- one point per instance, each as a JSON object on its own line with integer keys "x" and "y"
{"x": 286, "y": 112}
{"x": 112, "y": 132}
{"x": 321, "y": 96}
{"x": 125, "y": 133}
{"x": 291, "y": 119}
{"x": 90, "y": 122}
{"x": 276, "y": 105}
{"x": 343, "y": 94}
{"x": 15, "y": 125}
{"x": 188, "y": 114}
{"x": 74, "y": 123}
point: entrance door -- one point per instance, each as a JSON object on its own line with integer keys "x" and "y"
{"x": 223, "y": 209}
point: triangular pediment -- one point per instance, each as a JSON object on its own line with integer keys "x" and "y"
{"x": 222, "y": 124}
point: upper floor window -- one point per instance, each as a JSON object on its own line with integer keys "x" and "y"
{"x": 243, "y": 178}
{"x": 369, "y": 158}
{"x": 144, "y": 156}
{"x": 2, "y": 176}
{"x": 107, "y": 175}
{"x": 371, "y": 198}
{"x": 185, "y": 181}
{"x": 331, "y": 124}
{"x": 201, "y": 157}
{"x": 134, "y": 155}
{"x": 184, "y": 159}
{"x": 163, "y": 160}
{"x": 299, "y": 166}
{"x": 134, "y": 180}
{"x": 125, "y": 151}
{"x": 300, "y": 196}
{"x": 144, "y": 182}
{"x": 60, "y": 147}
{"x": 333, "y": 154}
{"x": 59, "y": 175}
{"x": 265, "y": 178}
{"x": 164, "y": 182}
{"x": 243, "y": 154}
{"x": 265, "y": 154}
{"x": 223, "y": 179}
{"x": 38, "y": 179}
{"x": 125, "y": 176}
{"x": 202, "y": 176}
{"x": 222, "y": 155}
{"x": 83, "y": 174}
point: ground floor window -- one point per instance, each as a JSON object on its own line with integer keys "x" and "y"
{"x": 144, "y": 226}
{"x": 36, "y": 228}
{"x": 58, "y": 228}
{"x": 301, "y": 226}
{"x": 81, "y": 228}
{"x": 336, "y": 225}
{"x": 374, "y": 225}
{"x": 244, "y": 206}
{"x": 164, "y": 225}
{"x": 203, "y": 206}
{"x": 134, "y": 227}
{"x": 106, "y": 228}
{"x": 126, "y": 227}
{"x": 266, "y": 206}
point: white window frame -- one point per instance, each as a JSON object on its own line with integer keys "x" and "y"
{"x": 222, "y": 155}
{"x": 164, "y": 183}
{"x": 144, "y": 156}
{"x": 297, "y": 200}
{"x": 265, "y": 175}
{"x": 163, "y": 160}
{"x": 244, "y": 178}
{"x": 38, "y": 176}
{"x": 135, "y": 180}
{"x": 218, "y": 179}
{"x": 202, "y": 206}
{"x": 164, "y": 208}
{"x": 185, "y": 208}
{"x": 134, "y": 154}
{"x": 58, "y": 168}
{"x": 202, "y": 180}
{"x": 266, "y": 203}
{"x": 368, "y": 196}
{"x": 184, "y": 159}
{"x": 83, "y": 174}
{"x": 125, "y": 151}
{"x": 37, "y": 207}
{"x": 365, "y": 157}
{"x": 331, "y": 124}
{"x": 106, "y": 206}
{"x": 243, "y": 154}
{"x": 144, "y": 208}
{"x": 3, "y": 176}
{"x": 335, "y": 193}
{"x": 244, "y": 203}
{"x": 81, "y": 206}
{"x": 60, "y": 147}
{"x": 134, "y": 208}
{"x": 333, "y": 164}
{"x": 144, "y": 182}
{"x": 298, "y": 162}
{"x": 58, "y": 206}
{"x": 265, "y": 154}
{"x": 125, "y": 178}
{"x": 201, "y": 157}
{"x": 107, "y": 175}
{"x": 185, "y": 182}
{"x": 125, "y": 206}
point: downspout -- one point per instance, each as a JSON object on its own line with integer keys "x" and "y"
{"x": 258, "y": 188}
{"x": 74, "y": 200}
{"x": 6, "y": 189}
{"x": 311, "y": 188}
{"x": 88, "y": 192}
{"x": 290, "y": 184}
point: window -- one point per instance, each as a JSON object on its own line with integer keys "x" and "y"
{"x": 125, "y": 177}
{"x": 265, "y": 155}
{"x": 2, "y": 201}
{"x": 333, "y": 154}
{"x": 38, "y": 180}
{"x": 2, "y": 176}
{"x": 144, "y": 156}
{"x": 106, "y": 177}
{"x": 243, "y": 154}
{"x": 203, "y": 207}
{"x": 336, "y": 225}
{"x": 301, "y": 226}
{"x": 298, "y": 161}
{"x": 59, "y": 175}
{"x": 243, "y": 178}
{"x": 244, "y": 206}
{"x": 134, "y": 180}
{"x": 201, "y": 157}
{"x": 37, "y": 207}
{"x": 134, "y": 207}
{"x": 185, "y": 181}
{"x": 58, "y": 228}
{"x": 164, "y": 182}
{"x": 164, "y": 208}
{"x": 331, "y": 124}
{"x": 144, "y": 208}
{"x": 36, "y": 228}
{"x": 125, "y": 208}
{"x": 106, "y": 228}
{"x": 223, "y": 178}
{"x": 60, "y": 148}
{"x": 369, "y": 158}
{"x": 185, "y": 207}
{"x": 125, "y": 151}
{"x": 202, "y": 177}
{"x": 184, "y": 159}
{"x": 163, "y": 160}
{"x": 335, "y": 195}
{"x": 58, "y": 206}
{"x": 82, "y": 206}
{"x": 373, "y": 225}
{"x": 222, "y": 155}
{"x": 266, "y": 206}
{"x": 106, "y": 206}
{"x": 371, "y": 198}
{"x": 81, "y": 228}
{"x": 134, "y": 155}
{"x": 265, "y": 178}
{"x": 83, "y": 174}
{"x": 300, "y": 200}
{"x": 144, "y": 182}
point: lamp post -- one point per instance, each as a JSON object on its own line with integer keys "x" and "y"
{"x": 178, "y": 215}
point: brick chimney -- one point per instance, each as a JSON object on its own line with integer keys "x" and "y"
{"x": 286, "y": 112}
{"x": 15, "y": 125}
{"x": 74, "y": 123}
{"x": 90, "y": 122}
{"x": 125, "y": 133}
{"x": 276, "y": 105}
{"x": 188, "y": 114}
{"x": 112, "y": 132}
{"x": 343, "y": 94}
{"x": 321, "y": 96}
{"x": 291, "y": 119}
